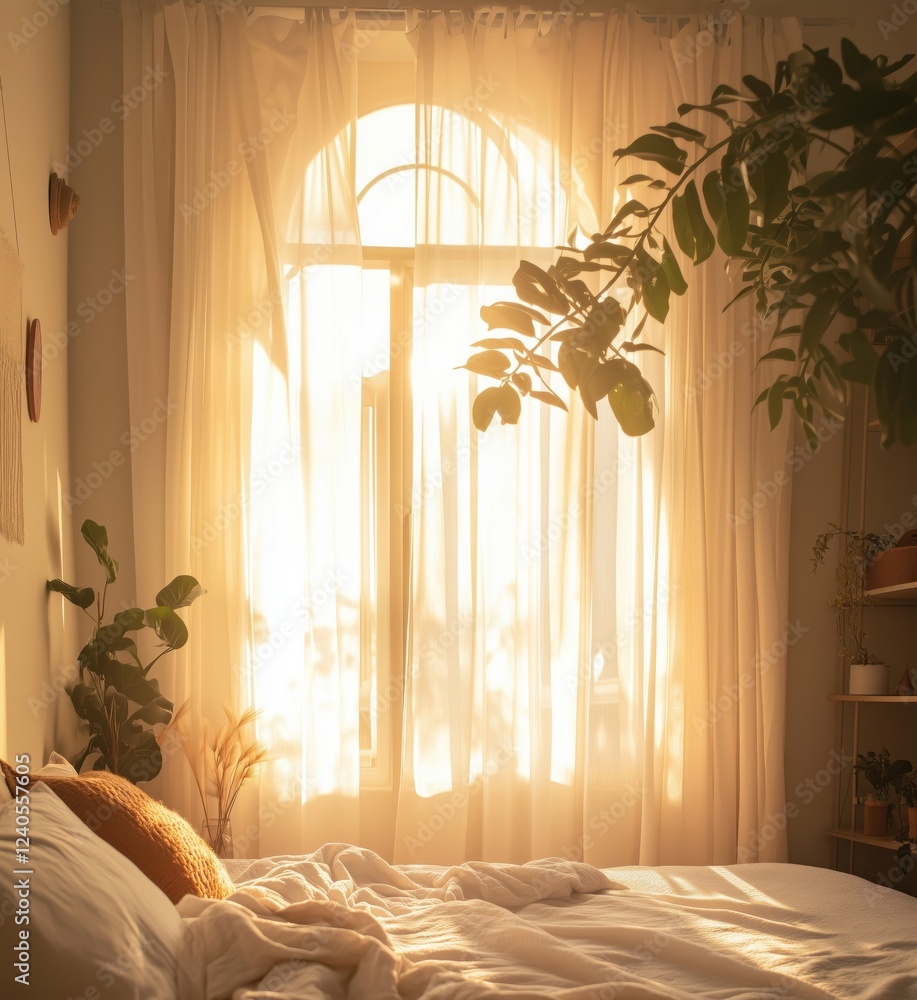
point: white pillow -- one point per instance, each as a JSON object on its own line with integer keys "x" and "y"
{"x": 96, "y": 924}
{"x": 57, "y": 766}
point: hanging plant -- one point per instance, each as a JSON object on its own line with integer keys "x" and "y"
{"x": 810, "y": 249}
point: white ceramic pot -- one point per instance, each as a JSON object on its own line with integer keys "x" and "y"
{"x": 868, "y": 678}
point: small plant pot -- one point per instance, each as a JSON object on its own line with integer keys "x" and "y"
{"x": 875, "y": 819}
{"x": 868, "y": 678}
{"x": 912, "y": 822}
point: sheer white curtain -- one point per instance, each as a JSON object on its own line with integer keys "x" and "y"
{"x": 221, "y": 215}
{"x": 593, "y": 662}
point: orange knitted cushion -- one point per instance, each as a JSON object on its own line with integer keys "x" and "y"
{"x": 162, "y": 844}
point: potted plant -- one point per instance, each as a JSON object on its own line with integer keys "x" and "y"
{"x": 884, "y": 775}
{"x": 116, "y": 697}
{"x": 867, "y": 675}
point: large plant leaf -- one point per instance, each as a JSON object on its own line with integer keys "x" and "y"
{"x": 181, "y": 592}
{"x": 537, "y": 287}
{"x": 678, "y": 130}
{"x": 674, "y": 277}
{"x": 570, "y": 361}
{"x": 602, "y": 324}
{"x": 82, "y": 597}
{"x": 512, "y": 316}
{"x": 93, "y": 656}
{"x": 864, "y": 357}
{"x": 168, "y": 626}
{"x": 650, "y": 277}
{"x": 632, "y": 399}
{"x": 659, "y": 149}
{"x": 141, "y": 761}
{"x": 502, "y": 399}
{"x": 112, "y": 640}
{"x": 728, "y": 206}
{"x": 87, "y": 704}
{"x": 490, "y": 363}
{"x": 549, "y": 397}
{"x": 157, "y": 711}
{"x": 97, "y": 538}
{"x": 770, "y": 177}
{"x": 129, "y": 620}
{"x": 691, "y": 229}
{"x": 96, "y": 744}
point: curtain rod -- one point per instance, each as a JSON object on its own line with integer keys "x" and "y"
{"x": 395, "y": 9}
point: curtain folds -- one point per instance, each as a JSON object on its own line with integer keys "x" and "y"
{"x": 595, "y": 630}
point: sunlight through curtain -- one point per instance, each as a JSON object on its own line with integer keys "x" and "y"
{"x": 592, "y": 662}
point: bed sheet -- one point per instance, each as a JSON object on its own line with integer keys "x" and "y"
{"x": 342, "y": 924}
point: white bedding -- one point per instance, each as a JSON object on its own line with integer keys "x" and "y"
{"x": 342, "y": 923}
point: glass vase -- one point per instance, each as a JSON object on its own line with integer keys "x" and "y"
{"x": 218, "y": 836}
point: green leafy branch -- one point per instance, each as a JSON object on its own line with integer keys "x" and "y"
{"x": 810, "y": 249}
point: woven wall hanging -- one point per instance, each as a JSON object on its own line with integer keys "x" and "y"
{"x": 12, "y": 521}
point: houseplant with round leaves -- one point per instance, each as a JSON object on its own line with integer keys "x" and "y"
{"x": 115, "y": 695}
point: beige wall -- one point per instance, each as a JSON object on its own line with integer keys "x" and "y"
{"x": 100, "y": 437}
{"x": 35, "y": 642}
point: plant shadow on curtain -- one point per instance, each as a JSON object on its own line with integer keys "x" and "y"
{"x": 513, "y": 644}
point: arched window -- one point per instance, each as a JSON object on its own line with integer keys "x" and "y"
{"x": 436, "y": 241}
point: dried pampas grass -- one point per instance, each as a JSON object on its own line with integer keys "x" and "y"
{"x": 221, "y": 761}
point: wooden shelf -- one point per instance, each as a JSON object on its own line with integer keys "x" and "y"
{"x": 900, "y": 593}
{"x": 845, "y": 833}
{"x": 885, "y": 699}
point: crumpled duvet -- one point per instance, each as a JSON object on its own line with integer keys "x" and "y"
{"x": 343, "y": 924}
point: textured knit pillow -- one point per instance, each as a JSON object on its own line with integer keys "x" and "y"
{"x": 162, "y": 844}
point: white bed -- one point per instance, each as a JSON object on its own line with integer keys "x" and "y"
{"x": 80, "y": 921}
{"x": 354, "y": 926}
